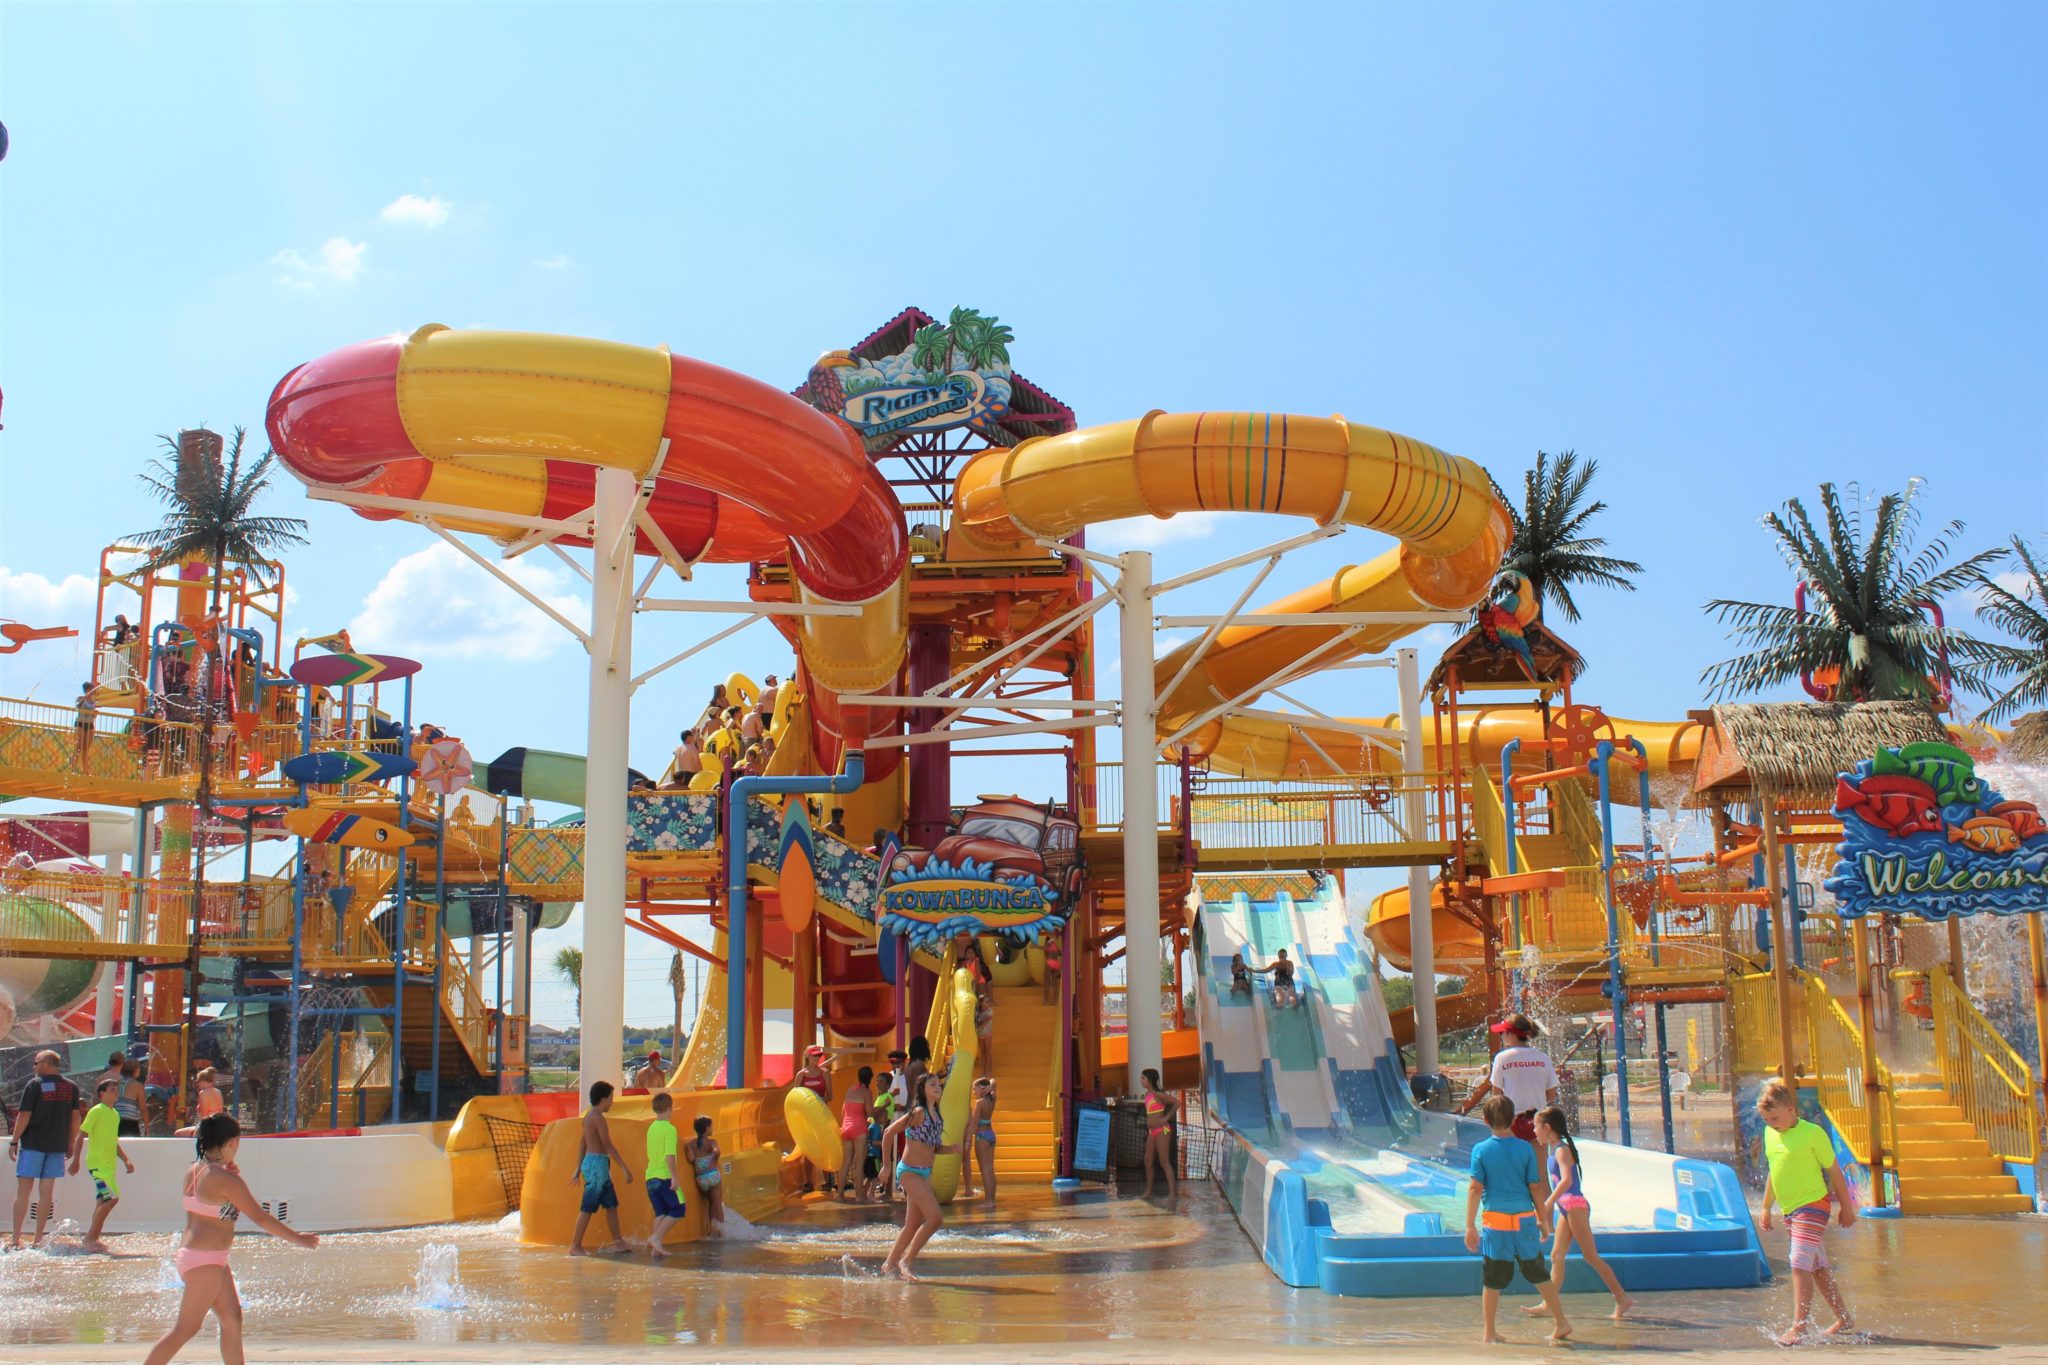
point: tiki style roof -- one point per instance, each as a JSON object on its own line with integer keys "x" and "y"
{"x": 1480, "y": 663}
{"x": 2029, "y": 742}
{"x": 1798, "y": 748}
{"x": 1033, "y": 411}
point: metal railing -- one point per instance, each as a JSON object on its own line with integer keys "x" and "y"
{"x": 1983, "y": 1075}
{"x": 1109, "y": 780}
{"x": 1835, "y": 1046}
{"x": 114, "y": 747}
{"x": 1237, "y": 813}
{"x": 1754, "y": 999}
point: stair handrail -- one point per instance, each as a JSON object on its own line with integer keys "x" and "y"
{"x": 1835, "y": 1046}
{"x": 1984, "y": 1075}
{"x": 464, "y": 1003}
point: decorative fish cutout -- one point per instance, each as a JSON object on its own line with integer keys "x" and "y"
{"x": 1896, "y": 804}
{"x": 1951, "y": 772}
{"x": 2023, "y": 816}
{"x": 1985, "y": 835}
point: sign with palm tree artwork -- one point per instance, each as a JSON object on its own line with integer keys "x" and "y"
{"x": 953, "y": 374}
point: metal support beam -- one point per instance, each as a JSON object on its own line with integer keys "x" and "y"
{"x": 494, "y": 571}
{"x": 1421, "y": 920}
{"x": 578, "y": 525}
{"x": 1022, "y": 727}
{"x": 1141, "y": 818}
{"x": 604, "y": 795}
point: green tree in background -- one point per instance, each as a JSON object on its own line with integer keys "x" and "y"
{"x": 1865, "y": 623}
{"x": 1550, "y": 545}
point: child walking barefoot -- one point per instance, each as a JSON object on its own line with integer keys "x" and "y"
{"x": 1805, "y": 1178}
{"x": 594, "y": 1159}
{"x": 1507, "y": 1188}
{"x": 661, "y": 1174}
{"x": 1568, "y": 1209}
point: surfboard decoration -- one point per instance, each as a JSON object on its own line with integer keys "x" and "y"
{"x": 323, "y": 825}
{"x": 335, "y": 766}
{"x": 446, "y": 767}
{"x": 352, "y": 670}
{"x": 796, "y": 877}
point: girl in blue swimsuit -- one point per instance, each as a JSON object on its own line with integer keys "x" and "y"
{"x": 923, "y": 1134}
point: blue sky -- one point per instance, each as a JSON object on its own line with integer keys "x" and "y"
{"x": 1728, "y": 250}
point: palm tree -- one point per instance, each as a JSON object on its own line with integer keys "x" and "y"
{"x": 2023, "y": 614}
{"x": 210, "y": 515}
{"x": 932, "y": 348}
{"x": 568, "y": 965}
{"x": 1550, "y": 545}
{"x": 676, "y": 980}
{"x": 1867, "y": 617}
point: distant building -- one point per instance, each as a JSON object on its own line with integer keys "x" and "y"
{"x": 549, "y": 1046}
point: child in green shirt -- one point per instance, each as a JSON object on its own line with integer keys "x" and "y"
{"x": 661, "y": 1173}
{"x": 1805, "y": 1180}
{"x": 101, "y": 1150}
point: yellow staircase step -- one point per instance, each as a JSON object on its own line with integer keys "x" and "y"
{"x": 1948, "y": 1167}
{"x": 1922, "y": 1148}
{"x": 1911, "y": 1185}
{"x": 1966, "y": 1203}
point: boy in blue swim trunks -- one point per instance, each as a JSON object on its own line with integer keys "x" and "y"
{"x": 662, "y": 1141}
{"x": 1501, "y": 1221}
{"x": 595, "y": 1153}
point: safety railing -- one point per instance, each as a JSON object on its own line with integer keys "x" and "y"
{"x": 106, "y": 746}
{"x": 1835, "y": 1046}
{"x": 1111, "y": 783}
{"x": 1335, "y": 814}
{"x": 1982, "y": 1073}
{"x": 464, "y": 1005}
{"x": 1753, "y": 997}
{"x": 233, "y": 916}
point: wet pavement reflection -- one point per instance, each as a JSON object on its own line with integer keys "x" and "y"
{"x": 1090, "y": 1273}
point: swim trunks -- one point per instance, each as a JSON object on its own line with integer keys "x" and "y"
{"x": 597, "y": 1184}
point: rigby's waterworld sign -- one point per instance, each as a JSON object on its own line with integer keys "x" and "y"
{"x": 1923, "y": 835}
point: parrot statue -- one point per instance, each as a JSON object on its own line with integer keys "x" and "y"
{"x": 1513, "y": 607}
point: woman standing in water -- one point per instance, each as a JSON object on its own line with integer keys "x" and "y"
{"x": 1159, "y": 1121}
{"x": 923, "y": 1131}
{"x": 215, "y": 1197}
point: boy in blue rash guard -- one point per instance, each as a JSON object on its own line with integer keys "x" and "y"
{"x": 595, "y": 1154}
{"x": 1507, "y": 1188}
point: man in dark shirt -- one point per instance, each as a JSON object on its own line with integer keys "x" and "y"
{"x": 45, "y": 1136}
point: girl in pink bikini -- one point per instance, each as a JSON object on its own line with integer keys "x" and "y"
{"x": 215, "y": 1197}
{"x": 1569, "y": 1208}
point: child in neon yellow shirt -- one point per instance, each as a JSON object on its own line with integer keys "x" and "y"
{"x": 1805, "y": 1178}
{"x": 661, "y": 1173}
{"x": 101, "y": 1148}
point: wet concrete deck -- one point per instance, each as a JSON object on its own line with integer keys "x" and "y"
{"x": 1035, "y": 1280}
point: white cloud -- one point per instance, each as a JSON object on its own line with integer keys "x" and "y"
{"x": 338, "y": 261}
{"x": 559, "y": 261}
{"x": 1143, "y": 533}
{"x": 434, "y": 603}
{"x": 413, "y": 210}
{"x": 35, "y": 600}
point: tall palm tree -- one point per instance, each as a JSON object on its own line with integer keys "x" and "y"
{"x": 1550, "y": 545}
{"x": 209, "y": 513}
{"x": 568, "y": 965}
{"x": 1866, "y": 617}
{"x": 2023, "y": 614}
{"x": 677, "y": 979}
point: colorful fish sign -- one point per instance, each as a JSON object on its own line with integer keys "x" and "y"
{"x": 1923, "y": 835}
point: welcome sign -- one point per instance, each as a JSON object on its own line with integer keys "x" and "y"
{"x": 1923, "y": 835}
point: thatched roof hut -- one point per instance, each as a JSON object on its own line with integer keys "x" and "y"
{"x": 1795, "y": 750}
{"x": 2029, "y": 742}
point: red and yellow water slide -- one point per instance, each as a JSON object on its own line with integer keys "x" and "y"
{"x": 500, "y": 433}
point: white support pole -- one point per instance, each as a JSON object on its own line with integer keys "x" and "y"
{"x": 1421, "y": 918}
{"x": 1141, "y": 819}
{"x": 604, "y": 795}
{"x": 104, "y": 1020}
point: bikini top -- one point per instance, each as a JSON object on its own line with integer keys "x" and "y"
{"x": 208, "y": 1209}
{"x": 1154, "y": 1104}
{"x": 931, "y": 1132}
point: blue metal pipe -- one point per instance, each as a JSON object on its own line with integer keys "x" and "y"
{"x": 1795, "y": 926}
{"x": 1617, "y": 991}
{"x": 736, "y": 890}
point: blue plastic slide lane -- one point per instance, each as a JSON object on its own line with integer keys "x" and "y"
{"x": 1336, "y": 1175}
